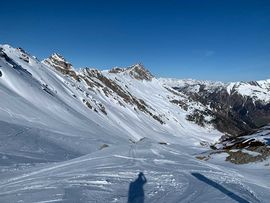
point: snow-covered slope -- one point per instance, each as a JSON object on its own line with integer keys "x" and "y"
{"x": 70, "y": 135}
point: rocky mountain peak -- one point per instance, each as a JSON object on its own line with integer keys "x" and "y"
{"x": 139, "y": 72}
{"x": 58, "y": 62}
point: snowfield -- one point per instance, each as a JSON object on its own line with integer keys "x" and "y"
{"x": 84, "y": 136}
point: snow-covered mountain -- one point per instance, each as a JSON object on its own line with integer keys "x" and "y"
{"x": 82, "y": 135}
{"x": 238, "y": 108}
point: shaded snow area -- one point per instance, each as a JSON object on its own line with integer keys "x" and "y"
{"x": 101, "y": 136}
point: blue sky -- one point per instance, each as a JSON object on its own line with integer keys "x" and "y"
{"x": 214, "y": 40}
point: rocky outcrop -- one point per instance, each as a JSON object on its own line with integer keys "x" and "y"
{"x": 56, "y": 60}
{"x": 249, "y": 148}
{"x": 24, "y": 55}
{"x": 242, "y": 149}
{"x": 117, "y": 70}
{"x": 137, "y": 71}
{"x": 60, "y": 64}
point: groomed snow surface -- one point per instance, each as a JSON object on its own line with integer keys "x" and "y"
{"x": 53, "y": 148}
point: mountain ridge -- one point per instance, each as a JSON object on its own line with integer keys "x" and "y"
{"x": 210, "y": 95}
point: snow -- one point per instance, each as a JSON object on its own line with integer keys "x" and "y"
{"x": 230, "y": 88}
{"x": 50, "y": 142}
{"x": 257, "y": 90}
{"x": 263, "y": 135}
{"x": 250, "y": 152}
{"x": 192, "y": 84}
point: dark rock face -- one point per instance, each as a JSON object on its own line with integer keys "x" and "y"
{"x": 234, "y": 113}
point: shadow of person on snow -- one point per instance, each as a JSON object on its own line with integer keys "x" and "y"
{"x": 219, "y": 187}
{"x": 136, "y": 192}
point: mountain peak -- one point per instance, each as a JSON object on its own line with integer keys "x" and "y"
{"x": 137, "y": 71}
{"x": 58, "y": 57}
{"x": 58, "y": 62}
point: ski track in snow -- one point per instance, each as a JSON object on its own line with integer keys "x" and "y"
{"x": 119, "y": 170}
